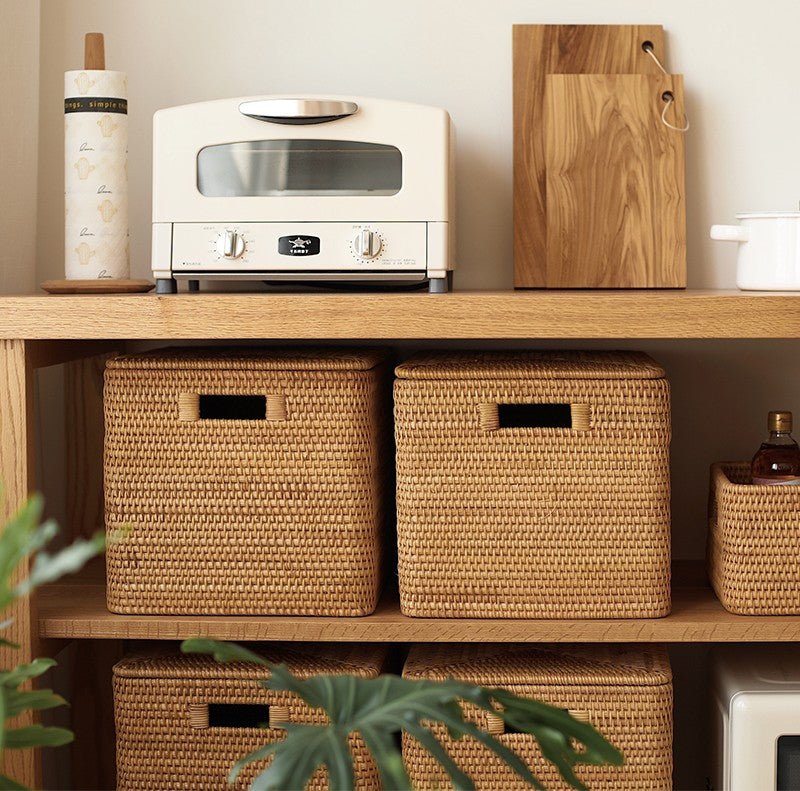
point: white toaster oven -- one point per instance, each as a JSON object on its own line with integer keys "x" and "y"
{"x": 755, "y": 728}
{"x": 307, "y": 189}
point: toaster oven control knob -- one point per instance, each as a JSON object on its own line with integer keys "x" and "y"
{"x": 367, "y": 244}
{"x": 230, "y": 244}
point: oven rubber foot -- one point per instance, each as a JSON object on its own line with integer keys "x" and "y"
{"x": 440, "y": 285}
{"x": 194, "y": 285}
{"x": 166, "y": 285}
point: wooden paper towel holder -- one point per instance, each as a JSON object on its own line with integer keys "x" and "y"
{"x": 94, "y": 59}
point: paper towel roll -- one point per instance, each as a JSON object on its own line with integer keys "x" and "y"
{"x": 96, "y": 175}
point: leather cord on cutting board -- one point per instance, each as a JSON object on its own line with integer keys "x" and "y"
{"x": 667, "y": 97}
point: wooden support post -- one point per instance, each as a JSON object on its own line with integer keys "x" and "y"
{"x": 17, "y": 476}
{"x": 91, "y": 698}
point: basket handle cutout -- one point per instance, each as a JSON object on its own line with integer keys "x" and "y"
{"x": 497, "y": 726}
{"x": 194, "y": 406}
{"x": 235, "y": 715}
{"x": 496, "y": 416}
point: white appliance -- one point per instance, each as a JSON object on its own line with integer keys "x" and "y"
{"x": 755, "y": 734}
{"x": 279, "y": 188}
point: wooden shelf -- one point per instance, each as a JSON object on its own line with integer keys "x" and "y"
{"x": 78, "y": 610}
{"x": 461, "y": 314}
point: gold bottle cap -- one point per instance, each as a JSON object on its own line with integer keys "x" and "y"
{"x": 779, "y": 421}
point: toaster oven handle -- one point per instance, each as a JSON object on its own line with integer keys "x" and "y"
{"x": 298, "y": 111}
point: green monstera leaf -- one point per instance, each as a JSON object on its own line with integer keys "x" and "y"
{"x": 22, "y": 539}
{"x": 382, "y": 707}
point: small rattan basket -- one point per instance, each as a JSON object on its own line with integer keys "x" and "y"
{"x": 183, "y": 721}
{"x": 625, "y": 691}
{"x": 753, "y": 543}
{"x": 533, "y": 485}
{"x": 251, "y": 481}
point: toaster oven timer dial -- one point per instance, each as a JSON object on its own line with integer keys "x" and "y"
{"x": 230, "y": 244}
{"x": 367, "y": 244}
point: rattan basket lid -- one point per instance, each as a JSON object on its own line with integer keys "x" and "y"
{"x": 309, "y": 659}
{"x": 531, "y": 365}
{"x": 235, "y": 358}
{"x": 552, "y": 665}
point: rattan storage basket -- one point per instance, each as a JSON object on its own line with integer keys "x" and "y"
{"x": 625, "y": 691}
{"x": 183, "y": 721}
{"x": 251, "y": 481}
{"x": 753, "y": 543}
{"x": 501, "y": 515}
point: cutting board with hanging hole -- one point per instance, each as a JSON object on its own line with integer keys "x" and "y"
{"x": 615, "y": 182}
{"x": 538, "y": 52}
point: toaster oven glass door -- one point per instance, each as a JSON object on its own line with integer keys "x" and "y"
{"x": 283, "y": 168}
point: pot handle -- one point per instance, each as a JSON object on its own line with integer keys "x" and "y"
{"x": 729, "y": 233}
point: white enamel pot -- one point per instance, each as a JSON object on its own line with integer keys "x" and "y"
{"x": 769, "y": 250}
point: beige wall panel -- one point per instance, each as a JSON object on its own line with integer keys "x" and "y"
{"x": 19, "y": 134}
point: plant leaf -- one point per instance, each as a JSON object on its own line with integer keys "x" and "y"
{"x": 18, "y": 701}
{"x": 460, "y": 781}
{"x": 7, "y": 784}
{"x": 340, "y": 762}
{"x": 305, "y": 749}
{"x": 380, "y": 708}
{"x": 222, "y": 651}
{"x": 532, "y": 716}
{"x": 257, "y": 755}
{"x": 3, "y": 717}
{"x": 37, "y": 736}
{"x": 48, "y": 568}
{"x": 389, "y": 759}
{"x": 505, "y": 753}
{"x": 13, "y": 678}
{"x": 19, "y": 538}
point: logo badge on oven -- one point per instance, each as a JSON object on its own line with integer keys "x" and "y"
{"x": 298, "y": 245}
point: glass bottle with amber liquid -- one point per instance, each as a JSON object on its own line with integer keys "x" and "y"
{"x": 777, "y": 461}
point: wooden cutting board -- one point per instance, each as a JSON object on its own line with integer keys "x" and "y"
{"x": 615, "y": 182}
{"x": 539, "y": 50}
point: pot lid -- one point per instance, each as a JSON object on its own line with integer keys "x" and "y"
{"x": 763, "y": 215}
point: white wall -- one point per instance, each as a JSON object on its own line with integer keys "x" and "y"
{"x": 19, "y": 133}
{"x": 740, "y": 67}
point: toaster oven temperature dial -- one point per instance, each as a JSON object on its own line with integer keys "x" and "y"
{"x": 367, "y": 244}
{"x": 230, "y": 244}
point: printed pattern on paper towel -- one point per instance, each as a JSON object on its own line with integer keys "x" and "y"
{"x": 96, "y": 175}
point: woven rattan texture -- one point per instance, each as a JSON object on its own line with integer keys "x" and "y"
{"x": 245, "y": 516}
{"x": 753, "y": 543}
{"x": 288, "y": 359}
{"x": 157, "y": 747}
{"x": 534, "y": 522}
{"x": 531, "y": 365}
{"x": 626, "y": 691}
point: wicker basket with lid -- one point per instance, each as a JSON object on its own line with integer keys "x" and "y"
{"x": 251, "y": 480}
{"x": 625, "y": 691}
{"x": 183, "y": 721}
{"x": 533, "y": 485}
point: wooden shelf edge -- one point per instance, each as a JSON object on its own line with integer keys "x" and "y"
{"x": 405, "y": 316}
{"x": 77, "y": 610}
